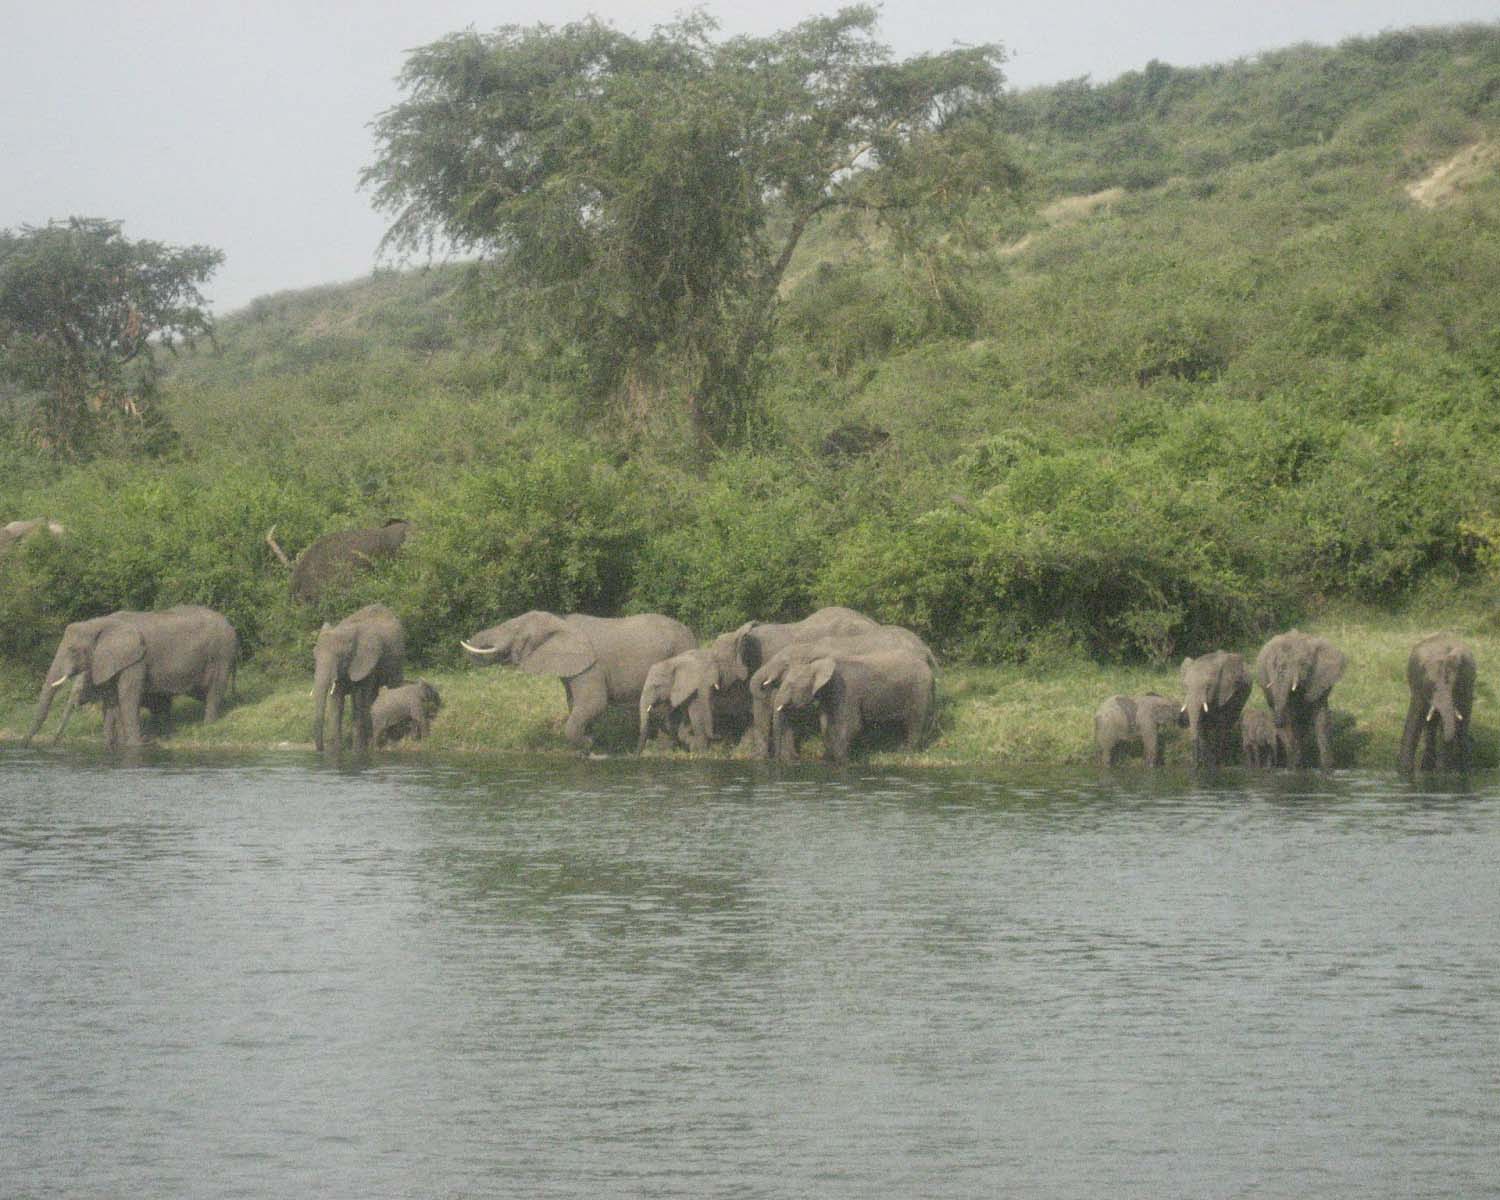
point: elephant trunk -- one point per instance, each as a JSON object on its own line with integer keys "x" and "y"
{"x": 1442, "y": 706}
{"x": 647, "y": 708}
{"x": 44, "y": 703}
{"x": 323, "y": 683}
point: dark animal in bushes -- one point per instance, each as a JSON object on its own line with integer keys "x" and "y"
{"x": 1297, "y": 671}
{"x": 686, "y": 696}
{"x": 1258, "y": 741}
{"x": 363, "y": 653}
{"x": 335, "y": 555}
{"x": 404, "y": 711}
{"x": 1440, "y": 672}
{"x": 1215, "y": 687}
{"x": 853, "y": 692}
{"x": 1123, "y": 723}
{"x": 767, "y": 678}
{"x": 601, "y": 660}
{"x": 127, "y": 660}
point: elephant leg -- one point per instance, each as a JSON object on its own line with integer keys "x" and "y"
{"x": 1429, "y": 746}
{"x": 838, "y": 734}
{"x": 361, "y": 704}
{"x": 1150, "y": 746}
{"x": 336, "y": 703}
{"x": 130, "y": 687}
{"x": 1323, "y": 731}
{"x": 587, "y": 700}
{"x": 1411, "y": 735}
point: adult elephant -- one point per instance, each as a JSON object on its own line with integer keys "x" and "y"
{"x": 767, "y": 678}
{"x": 1440, "y": 673}
{"x": 363, "y": 653}
{"x": 1215, "y": 688}
{"x": 1297, "y": 671}
{"x": 600, "y": 660}
{"x": 335, "y": 555}
{"x": 687, "y": 695}
{"x": 741, "y": 652}
{"x": 852, "y": 692}
{"x": 127, "y": 660}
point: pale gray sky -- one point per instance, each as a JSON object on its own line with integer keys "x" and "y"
{"x": 244, "y": 125}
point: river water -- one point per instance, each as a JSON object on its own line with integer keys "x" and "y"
{"x": 267, "y": 977}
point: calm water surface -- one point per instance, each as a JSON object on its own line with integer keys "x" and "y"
{"x": 264, "y": 977}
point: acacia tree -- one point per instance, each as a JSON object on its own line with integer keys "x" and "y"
{"x": 82, "y": 310}
{"x": 647, "y": 194}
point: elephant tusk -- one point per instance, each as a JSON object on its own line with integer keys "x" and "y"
{"x": 1184, "y": 710}
{"x": 1432, "y": 712}
{"x": 60, "y": 682}
{"x": 479, "y": 649}
{"x": 1205, "y": 706}
{"x": 1294, "y": 685}
{"x": 1459, "y": 716}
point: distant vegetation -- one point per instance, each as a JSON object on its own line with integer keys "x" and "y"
{"x": 1215, "y": 365}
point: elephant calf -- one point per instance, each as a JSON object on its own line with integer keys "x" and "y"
{"x": 408, "y": 709}
{"x": 1258, "y": 741}
{"x": 1124, "y": 722}
{"x": 689, "y": 696}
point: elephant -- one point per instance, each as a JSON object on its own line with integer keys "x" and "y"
{"x": 129, "y": 659}
{"x": 408, "y": 709}
{"x": 1258, "y": 742}
{"x": 336, "y": 554}
{"x": 741, "y": 652}
{"x": 1123, "y": 722}
{"x": 851, "y": 692}
{"x": 1215, "y": 687}
{"x": 17, "y": 531}
{"x": 601, "y": 660}
{"x": 686, "y": 695}
{"x": 363, "y": 653}
{"x": 768, "y": 675}
{"x": 1440, "y": 673}
{"x": 1297, "y": 671}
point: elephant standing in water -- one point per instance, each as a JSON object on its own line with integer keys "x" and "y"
{"x": 363, "y": 653}
{"x": 1440, "y": 673}
{"x": 855, "y": 691}
{"x": 1122, "y": 722}
{"x": 127, "y": 660}
{"x": 1258, "y": 741}
{"x": 1215, "y": 688}
{"x": 1297, "y": 671}
{"x": 601, "y": 660}
{"x": 686, "y": 695}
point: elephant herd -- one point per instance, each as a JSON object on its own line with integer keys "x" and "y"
{"x": 1296, "y": 673}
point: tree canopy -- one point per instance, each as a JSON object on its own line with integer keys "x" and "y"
{"x": 82, "y": 309}
{"x": 647, "y": 194}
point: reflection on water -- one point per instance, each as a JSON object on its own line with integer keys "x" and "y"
{"x": 271, "y": 977}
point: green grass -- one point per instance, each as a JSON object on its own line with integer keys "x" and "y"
{"x": 987, "y": 716}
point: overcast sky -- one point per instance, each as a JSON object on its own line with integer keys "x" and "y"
{"x": 243, "y": 124}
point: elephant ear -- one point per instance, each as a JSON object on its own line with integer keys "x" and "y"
{"x": 116, "y": 648}
{"x": 563, "y": 653}
{"x": 823, "y": 672}
{"x": 367, "y": 647}
{"x": 1327, "y": 669}
{"x": 742, "y": 666}
{"x": 1232, "y": 678}
{"x": 684, "y": 683}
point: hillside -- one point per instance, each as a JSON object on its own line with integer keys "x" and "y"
{"x": 1233, "y": 355}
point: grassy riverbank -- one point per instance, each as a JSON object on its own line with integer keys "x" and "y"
{"x": 988, "y": 716}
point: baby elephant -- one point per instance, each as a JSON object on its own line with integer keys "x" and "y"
{"x": 1258, "y": 738}
{"x": 1124, "y": 722}
{"x": 408, "y": 709}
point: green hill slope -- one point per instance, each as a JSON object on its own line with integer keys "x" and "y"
{"x": 1236, "y": 354}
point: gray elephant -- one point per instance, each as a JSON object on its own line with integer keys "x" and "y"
{"x": 336, "y": 555}
{"x": 1440, "y": 672}
{"x": 17, "y": 531}
{"x": 1123, "y": 722}
{"x": 1215, "y": 687}
{"x": 741, "y": 652}
{"x": 127, "y": 660}
{"x": 1258, "y": 742}
{"x": 408, "y": 709}
{"x": 763, "y": 738}
{"x": 601, "y": 660}
{"x": 851, "y": 692}
{"x": 687, "y": 696}
{"x": 1297, "y": 671}
{"x": 363, "y": 653}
